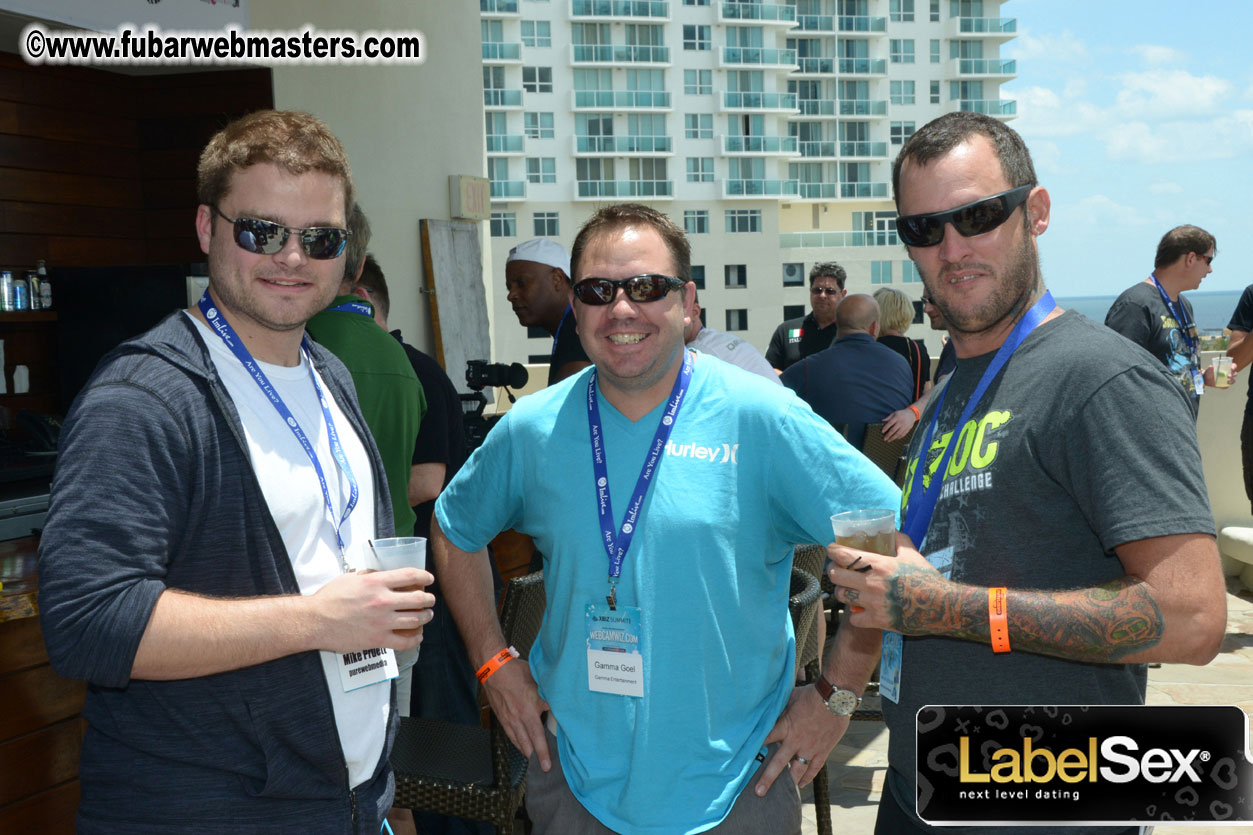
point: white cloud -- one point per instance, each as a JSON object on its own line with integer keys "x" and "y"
{"x": 1101, "y": 211}
{"x": 1156, "y": 55}
{"x": 1045, "y": 112}
{"x": 1064, "y": 47}
{"x": 1225, "y": 137}
{"x": 1169, "y": 94}
{"x": 1166, "y": 188}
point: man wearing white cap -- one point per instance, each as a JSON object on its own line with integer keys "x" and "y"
{"x": 537, "y": 278}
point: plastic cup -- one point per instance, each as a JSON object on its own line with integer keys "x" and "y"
{"x": 400, "y": 552}
{"x": 866, "y": 530}
{"x": 1222, "y": 372}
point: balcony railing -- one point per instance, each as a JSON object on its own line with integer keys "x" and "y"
{"x": 625, "y": 188}
{"x": 504, "y": 144}
{"x": 759, "y": 101}
{"x": 859, "y": 23}
{"x": 816, "y": 107}
{"x": 493, "y": 51}
{"x": 758, "y": 11}
{"x": 863, "y": 66}
{"x": 619, "y": 53}
{"x": 816, "y": 22}
{"x": 863, "y": 149}
{"x": 502, "y": 98}
{"x": 987, "y": 66}
{"x": 991, "y": 107}
{"x": 863, "y": 107}
{"x": 987, "y": 25}
{"x": 640, "y": 99}
{"x": 620, "y": 8}
{"x": 759, "y": 56}
{"x": 863, "y": 190}
{"x": 763, "y": 188}
{"x": 798, "y": 240}
{"x": 818, "y": 191}
{"x": 623, "y": 144}
{"x": 816, "y": 148}
{"x": 498, "y": 6}
{"x": 508, "y": 189}
{"x": 759, "y": 144}
{"x": 821, "y": 66}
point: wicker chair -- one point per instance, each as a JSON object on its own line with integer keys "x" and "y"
{"x": 464, "y": 771}
{"x": 804, "y": 604}
{"x": 889, "y": 456}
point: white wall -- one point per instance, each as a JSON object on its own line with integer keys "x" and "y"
{"x": 406, "y": 128}
{"x": 1218, "y": 431}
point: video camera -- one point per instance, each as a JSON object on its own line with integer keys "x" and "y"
{"x": 481, "y": 374}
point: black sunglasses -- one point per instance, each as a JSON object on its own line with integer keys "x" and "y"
{"x": 969, "y": 220}
{"x": 641, "y": 288}
{"x": 265, "y": 237}
{"x": 1209, "y": 259}
{"x": 825, "y": 291}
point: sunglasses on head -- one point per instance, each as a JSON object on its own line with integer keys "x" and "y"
{"x": 640, "y": 288}
{"x": 265, "y": 237}
{"x": 972, "y": 219}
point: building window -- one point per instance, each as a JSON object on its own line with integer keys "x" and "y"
{"x": 793, "y": 275}
{"x": 902, "y": 11}
{"x": 735, "y": 275}
{"x": 537, "y": 79}
{"x": 901, "y": 51}
{"x": 698, "y": 125}
{"x": 902, "y": 92}
{"x": 700, "y": 169}
{"x": 696, "y": 221}
{"x": 935, "y": 92}
{"x": 541, "y": 170}
{"x": 935, "y": 11}
{"x": 546, "y": 224}
{"x": 698, "y": 82}
{"x": 504, "y": 225}
{"x": 935, "y": 52}
{"x": 880, "y": 272}
{"x": 743, "y": 220}
{"x": 793, "y": 311}
{"x": 695, "y": 2}
{"x": 698, "y": 278}
{"x": 900, "y": 131}
{"x": 696, "y": 38}
{"x": 538, "y": 125}
{"x": 537, "y": 33}
{"x": 737, "y": 319}
{"x": 909, "y": 273}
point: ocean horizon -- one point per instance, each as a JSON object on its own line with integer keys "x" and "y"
{"x": 1212, "y": 308}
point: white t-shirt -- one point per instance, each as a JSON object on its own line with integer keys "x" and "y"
{"x": 294, "y": 497}
{"x": 734, "y": 350}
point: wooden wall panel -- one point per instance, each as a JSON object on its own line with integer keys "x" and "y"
{"x": 31, "y": 699}
{"x": 34, "y": 761}
{"x": 48, "y": 813}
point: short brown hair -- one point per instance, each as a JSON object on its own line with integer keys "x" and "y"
{"x": 830, "y": 269}
{"x": 621, "y": 215}
{"x": 296, "y": 142}
{"x": 358, "y": 242}
{"x": 944, "y": 133}
{"x": 1181, "y": 240}
{"x": 373, "y": 281}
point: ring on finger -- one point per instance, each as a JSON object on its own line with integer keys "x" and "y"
{"x": 801, "y": 760}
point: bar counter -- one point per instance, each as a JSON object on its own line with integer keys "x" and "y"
{"x": 40, "y": 728}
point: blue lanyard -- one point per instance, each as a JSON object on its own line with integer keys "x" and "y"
{"x": 1185, "y": 326}
{"x": 223, "y": 329}
{"x": 560, "y": 325}
{"x": 353, "y": 307}
{"x": 616, "y": 545}
{"x": 918, "y": 512}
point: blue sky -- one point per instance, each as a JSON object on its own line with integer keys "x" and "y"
{"x": 1139, "y": 115}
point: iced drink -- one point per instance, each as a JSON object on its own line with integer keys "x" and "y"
{"x": 866, "y": 530}
{"x": 1222, "y": 372}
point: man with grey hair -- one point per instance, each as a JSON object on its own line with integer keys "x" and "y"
{"x": 1062, "y": 552}
{"x": 795, "y": 339}
{"x": 1154, "y": 314}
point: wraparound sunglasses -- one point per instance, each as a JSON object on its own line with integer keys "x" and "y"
{"x": 969, "y": 220}
{"x": 640, "y": 288}
{"x": 265, "y": 237}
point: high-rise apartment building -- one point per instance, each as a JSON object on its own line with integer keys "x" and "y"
{"x": 767, "y": 129}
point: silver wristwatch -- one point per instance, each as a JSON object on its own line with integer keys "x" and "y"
{"x": 839, "y": 702}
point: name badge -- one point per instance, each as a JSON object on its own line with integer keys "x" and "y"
{"x": 614, "y": 662}
{"x": 1198, "y": 382}
{"x": 890, "y": 666}
{"x": 364, "y": 667}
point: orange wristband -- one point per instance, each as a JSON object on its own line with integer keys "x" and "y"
{"x": 914, "y": 409}
{"x": 998, "y": 622}
{"x": 494, "y": 663}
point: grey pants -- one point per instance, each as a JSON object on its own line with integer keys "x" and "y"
{"x": 554, "y": 810}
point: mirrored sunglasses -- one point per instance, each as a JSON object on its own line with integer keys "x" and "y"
{"x": 640, "y": 288}
{"x": 265, "y": 237}
{"x": 969, "y": 220}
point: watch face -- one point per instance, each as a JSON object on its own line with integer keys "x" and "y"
{"x": 842, "y": 703}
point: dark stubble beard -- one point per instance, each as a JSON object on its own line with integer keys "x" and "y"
{"x": 1018, "y": 289}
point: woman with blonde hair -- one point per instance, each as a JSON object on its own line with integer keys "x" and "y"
{"x": 896, "y": 313}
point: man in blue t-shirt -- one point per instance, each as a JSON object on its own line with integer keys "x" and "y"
{"x": 667, "y": 491}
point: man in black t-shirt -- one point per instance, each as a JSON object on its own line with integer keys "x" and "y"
{"x": 537, "y": 278}
{"x": 796, "y": 339}
{"x": 1154, "y": 315}
{"x": 1240, "y": 349}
